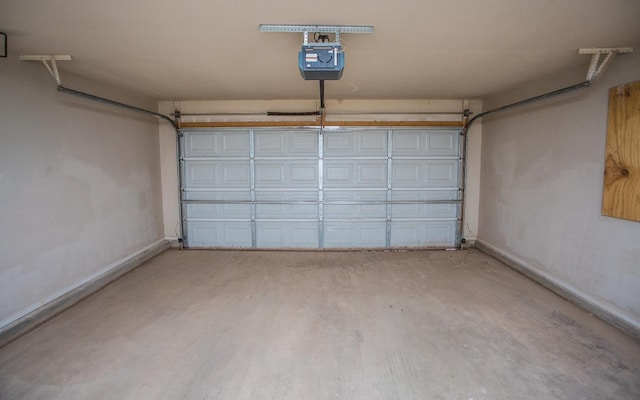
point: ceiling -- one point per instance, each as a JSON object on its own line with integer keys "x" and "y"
{"x": 212, "y": 49}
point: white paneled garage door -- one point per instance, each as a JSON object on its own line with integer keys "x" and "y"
{"x": 312, "y": 188}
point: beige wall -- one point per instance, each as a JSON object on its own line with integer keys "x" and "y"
{"x": 79, "y": 186}
{"x": 542, "y": 176}
{"x": 392, "y": 108}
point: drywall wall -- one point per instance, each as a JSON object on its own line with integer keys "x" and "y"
{"x": 79, "y": 186}
{"x": 379, "y": 110}
{"x": 541, "y": 195}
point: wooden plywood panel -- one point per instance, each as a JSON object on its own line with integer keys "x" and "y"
{"x": 621, "y": 195}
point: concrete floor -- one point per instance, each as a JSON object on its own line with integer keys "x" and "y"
{"x": 322, "y": 325}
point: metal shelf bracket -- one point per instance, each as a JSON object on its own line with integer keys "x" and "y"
{"x": 597, "y": 67}
{"x": 49, "y": 61}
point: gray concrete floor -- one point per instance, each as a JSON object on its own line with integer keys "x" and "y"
{"x": 322, "y": 325}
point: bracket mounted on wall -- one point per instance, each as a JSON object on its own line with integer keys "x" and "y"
{"x": 597, "y": 67}
{"x": 3, "y": 45}
{"x": 49, "y": 61}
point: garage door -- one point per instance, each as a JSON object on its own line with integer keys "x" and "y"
{"x": 320, "y": 189}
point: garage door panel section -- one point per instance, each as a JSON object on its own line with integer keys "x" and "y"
{"x": 217, "y": 174}
{"x": 207, "y": 194}
{"x": 425, "y": 204}
{"x": 219, "y": 234}
{"x": 358, "y": 173}
{"x": 292, "y": 174}
{"x": 371, "y": 143}
{"x": 224, "y": 211}
{"x": 293, "y": 234}
{"x": 286, "y": 143}
{"x": 423, "y": 233}
{"x": 217, "y": 144}
{"x": 302, "y": 205}
{"x": 431, "y": 143}
{"x": 425, "y": 173}
{"x": 354, "y": 234}
{"x": 343, "y": 204}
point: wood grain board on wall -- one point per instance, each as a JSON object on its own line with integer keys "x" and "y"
{"x": 621, "y": 194}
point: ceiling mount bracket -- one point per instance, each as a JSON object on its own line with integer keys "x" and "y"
{"x": 49, "y": 61}
{"x": 597, "y": 67}
{"x": 305, "y": 29}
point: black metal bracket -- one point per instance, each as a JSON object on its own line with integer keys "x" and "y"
{"x": 4, "y": 45}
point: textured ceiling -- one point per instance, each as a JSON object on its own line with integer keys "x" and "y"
{"x": 178, "y": 50}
